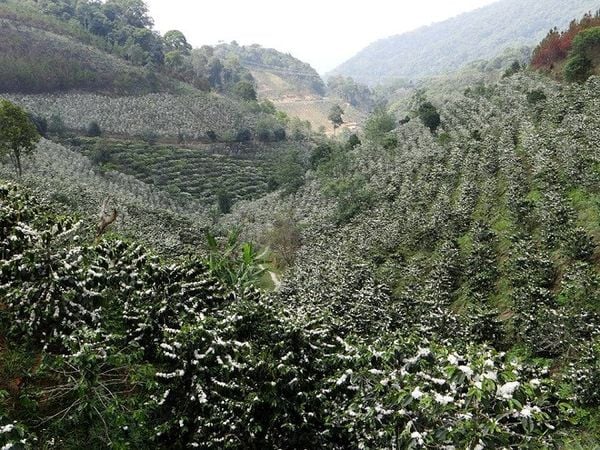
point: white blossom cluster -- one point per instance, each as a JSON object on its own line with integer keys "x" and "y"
{"x": 165, "y": 114}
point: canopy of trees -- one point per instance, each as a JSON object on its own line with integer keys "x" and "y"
{"x": 557, "y": 44}
{"x": 358, "y": 95}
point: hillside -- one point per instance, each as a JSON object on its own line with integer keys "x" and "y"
{"x": 167, "y": 115}
{"x": 293, "y": 86}
{"x": 448, "y": 45}
{"x": 487, "y": 228}
{"x": 39, "y": 53}
{"x": 572, "y": 54}
{"x": 441, "y": 278}
{"x": 91, "y": 62}
{"x": 191, "y": 268}
{"x": 277, "y": 75}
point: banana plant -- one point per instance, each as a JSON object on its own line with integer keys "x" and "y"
{"x": 239, "y": 266}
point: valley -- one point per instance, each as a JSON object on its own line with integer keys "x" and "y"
{"x": 215, "y": 247}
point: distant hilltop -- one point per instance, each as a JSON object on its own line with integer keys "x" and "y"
{"x": 449, "y": 45}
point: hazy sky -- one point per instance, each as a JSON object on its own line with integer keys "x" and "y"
{"x": 323, "y": 33}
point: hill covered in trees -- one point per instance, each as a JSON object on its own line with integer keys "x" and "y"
{"x": 442, "y": 278}
{"x": 448, "y": 45}
{"x": 277, "y": 74}
{"x": 572, "y": 54}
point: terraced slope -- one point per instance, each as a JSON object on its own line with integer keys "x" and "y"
{"x": 146, "y": 213}
{"x": 167, "y": 115}
{"x": 199, "y": 173}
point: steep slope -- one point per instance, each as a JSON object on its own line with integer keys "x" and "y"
{"x": 39, "y": 53}
{"x": 53, "y": 65}
{"x": 292, "y": 85}
{"x": 170, "y": 223}
{"x": 489, "y": 228}
{"x": 450, "y": 44}
{"x": 278, "y": 75}
{"x": 167, "y": 115}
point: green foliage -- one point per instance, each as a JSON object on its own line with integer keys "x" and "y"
{"x": 577, "y": 68}
{"x": 245, "y": 91}
{"x": 101, "y": 154}
{"x": 269, "y": 129}
{"x": 353, "y": 141}
{"x": 352, "y": 196}
{"x": 440, "y": 290}
{"x": 223, "y": 201}
{"x": 41, "y": 124}
{"x": 56, "y": 125}
{"x": 320, "y": 154}
{"x": 237, "y": 265}
{"x": 18, "y": 135}
{"x": 379, "y": 124}
{"x": 536, "y": 96}
{"x": 514, "y": 68}
{"x": 579, "y": 65}
{"x": 301, "y": 76}
{"x": 335, "y": 116}
{"x": 448, "y": 45}
{"x": 243, "y": 135}
{"x": 284, "y": 239}
{"x": 175, "y": 40}
{"x": 288, "y": 172}
{"x": 149, "y": 136}
{"x": 93, "y": 129}
{"x": 358, "y": 95}
{"x": 429, "y": 115}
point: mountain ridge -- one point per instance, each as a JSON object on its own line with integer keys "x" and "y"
{"x": 431, "y": 53}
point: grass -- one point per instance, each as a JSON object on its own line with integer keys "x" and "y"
{"x": 587, "y": 206}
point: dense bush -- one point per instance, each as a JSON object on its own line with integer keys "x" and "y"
{"x": 429, "y": 116}
{"x": 586, "y": 45}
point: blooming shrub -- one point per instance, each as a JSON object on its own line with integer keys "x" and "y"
{"x": 164, "y": 114}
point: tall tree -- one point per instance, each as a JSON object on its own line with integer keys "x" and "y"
{"x": 18, "y": 135}
{"x": 175, "y": 41}
{"x": 133, "y": 12}
{"x": 335, "y": 116}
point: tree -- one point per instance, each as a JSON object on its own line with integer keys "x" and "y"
{"x": 285, "y": 239}
{"x": 224, "y": 201}
{"x": 353, "y": 141}
{"x": 18, "y": 135}
{"x": 585, "y": 46}
{"x": 41, "y": 124}
{"x": 429, "y": 115}
{"x": 578, "y": 68}
{"x": 535, "y": 96}
{"x": 335, "y": 116}
{"x": 379, "y": 124}
{"x": 93, "y": 129}
{"x": 135, "y": 12}
{"x": 514, "y": 68}
{"x": 56, "y": 125}
{"x": 245, "y": 90}
{"x": 175, "y": 41}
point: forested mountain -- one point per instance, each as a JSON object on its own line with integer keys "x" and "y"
{"x": 448, "y": 45}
